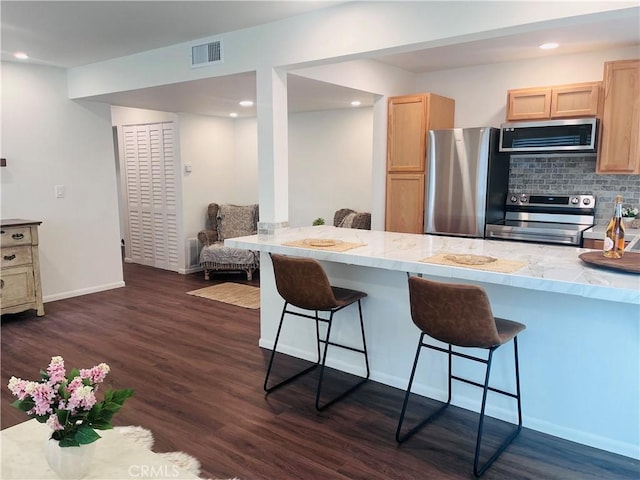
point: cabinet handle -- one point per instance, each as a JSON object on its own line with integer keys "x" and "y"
{"x": 17, "y": 236}
{"x": 1, "y": 283}
{"x": 9, "y": 257}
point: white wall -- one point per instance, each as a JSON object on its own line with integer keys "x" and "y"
{"x": 206, "y": 143}
{"x": 329, "y": 163}
{"x": 50, "y": 140}
{"x": 245, "y": 168}
{"x": 481, "y": 92}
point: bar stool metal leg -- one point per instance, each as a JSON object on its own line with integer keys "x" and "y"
{"x": 273, "y": 354}
{"x": 327, "y": 342}
{"x": 478, "y": 471}
{"x": 401, "y": 438}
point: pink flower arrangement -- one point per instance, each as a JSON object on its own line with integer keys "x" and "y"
{"x": 67, "y": 404}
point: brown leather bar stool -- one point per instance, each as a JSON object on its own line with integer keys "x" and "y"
{"x": 461, "y": 315}
{"x": 303, "y": 283}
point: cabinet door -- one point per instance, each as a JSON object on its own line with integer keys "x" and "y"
{"x": 577, "y": 100}
{"x": 16, "y": 287}
{"x": 405, "y": 203}
{"x": 619, "y": 150}
{"x": 528, "y": 104}
{"x": 406, "y": 134}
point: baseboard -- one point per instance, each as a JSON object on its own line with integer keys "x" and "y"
{"x": 187, "y": 271}
{"x": 83, "y": 291}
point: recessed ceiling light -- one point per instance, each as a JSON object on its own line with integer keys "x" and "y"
{"x": 355, "y": 103}
{"x": 233, "y": 114}
{"x": 549, "y": 46}
{"x": 246, "y": 103}
{"x": 21, "y": 55}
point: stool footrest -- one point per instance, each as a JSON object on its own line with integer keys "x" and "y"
{"x": 478, "y": 384}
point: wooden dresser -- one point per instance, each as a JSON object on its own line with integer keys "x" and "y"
{"x": 20, "y": 287}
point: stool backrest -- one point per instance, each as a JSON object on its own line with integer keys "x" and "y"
{"x": 452, "y": 313}
{"x": 303, "y": 282}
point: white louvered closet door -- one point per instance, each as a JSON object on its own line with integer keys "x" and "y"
{"x": 150, "y": 176}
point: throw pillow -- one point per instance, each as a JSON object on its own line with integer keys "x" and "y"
{"x": 347, "y": 221}
{"x": 236, "y": 221}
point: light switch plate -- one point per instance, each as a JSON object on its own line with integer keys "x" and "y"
{"x": 59, "y": 191}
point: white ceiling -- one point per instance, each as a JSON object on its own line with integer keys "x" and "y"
{"x": 73, "y": 33}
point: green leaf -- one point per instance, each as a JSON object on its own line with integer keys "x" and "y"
{"x": 24, "y": 405}
{"x": 73, "y": 374}
{"x": 94, "y": 413}
{"x": 42, "y": 418}
{"x": 62, "y": 391}
{"x": 101, "y": 425}
{"x": 68, "y": 441}
{"x": 44, "y": 375}
{"x": 108, "y": 395}
{"x": 85, "y": 435}
{"x": 121, "y": 395}
{"x": 63, "y": 416}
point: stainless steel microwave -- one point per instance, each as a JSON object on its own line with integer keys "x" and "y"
{"x": 578, "y": 135}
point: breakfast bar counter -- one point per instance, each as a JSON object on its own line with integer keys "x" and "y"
{"x": 579, "y": 356}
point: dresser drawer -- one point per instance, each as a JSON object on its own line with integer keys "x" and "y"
{"x": 15, "y": 256}
{"x": 17, "y": 286}
{"x": 10, "y": 236}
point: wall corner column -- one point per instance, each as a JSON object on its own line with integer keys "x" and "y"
{"x": 273, "y": 151}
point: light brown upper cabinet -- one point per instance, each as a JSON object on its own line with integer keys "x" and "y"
{"x": 619, "y": 150}
{"x": 561, "y": 101}
{"x": 409, "y": 119}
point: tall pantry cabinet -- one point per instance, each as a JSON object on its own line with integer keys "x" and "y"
{"x": 619, "y": 150}
{"x": 409, "y": 119}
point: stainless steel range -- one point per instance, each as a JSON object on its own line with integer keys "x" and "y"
{"x": 545, "y": 218}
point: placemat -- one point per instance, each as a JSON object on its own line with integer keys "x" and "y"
{"x": 479, "y": 262}
{"x": 324, "y": 244}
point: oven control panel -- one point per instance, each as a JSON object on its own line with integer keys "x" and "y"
{"x": 551, "y": 201}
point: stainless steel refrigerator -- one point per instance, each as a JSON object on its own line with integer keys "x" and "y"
{"x": 466, "y": 183}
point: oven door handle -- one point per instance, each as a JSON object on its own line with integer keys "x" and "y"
{"x": 536, "y": 237}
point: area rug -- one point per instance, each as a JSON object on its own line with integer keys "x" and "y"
{"x": 239, "y": 294}
{"x": 144, "y": 437}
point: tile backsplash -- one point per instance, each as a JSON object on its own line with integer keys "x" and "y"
{"x": 573, "y": 175}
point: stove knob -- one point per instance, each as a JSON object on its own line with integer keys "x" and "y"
{"x": 513, "y": 199}
{"x": 575, "y": 200}
{"x": 586, "y": 201}
{"x": 523, "y": 198}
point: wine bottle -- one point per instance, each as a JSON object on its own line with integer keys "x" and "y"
{"x": 614, "y": 236}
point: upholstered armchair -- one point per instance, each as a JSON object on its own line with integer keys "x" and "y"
{"x": 347, "y": 218}
{"x": 228, "y": 221}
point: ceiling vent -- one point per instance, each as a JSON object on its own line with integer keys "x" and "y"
{"x": 206, "y": 54}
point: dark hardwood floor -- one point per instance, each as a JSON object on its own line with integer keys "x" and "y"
{"x": 198, "y": 373}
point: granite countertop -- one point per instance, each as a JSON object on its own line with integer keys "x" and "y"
{"x": 549, "y": 268}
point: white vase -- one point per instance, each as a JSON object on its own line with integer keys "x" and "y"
{"x": 69, "y": 463}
